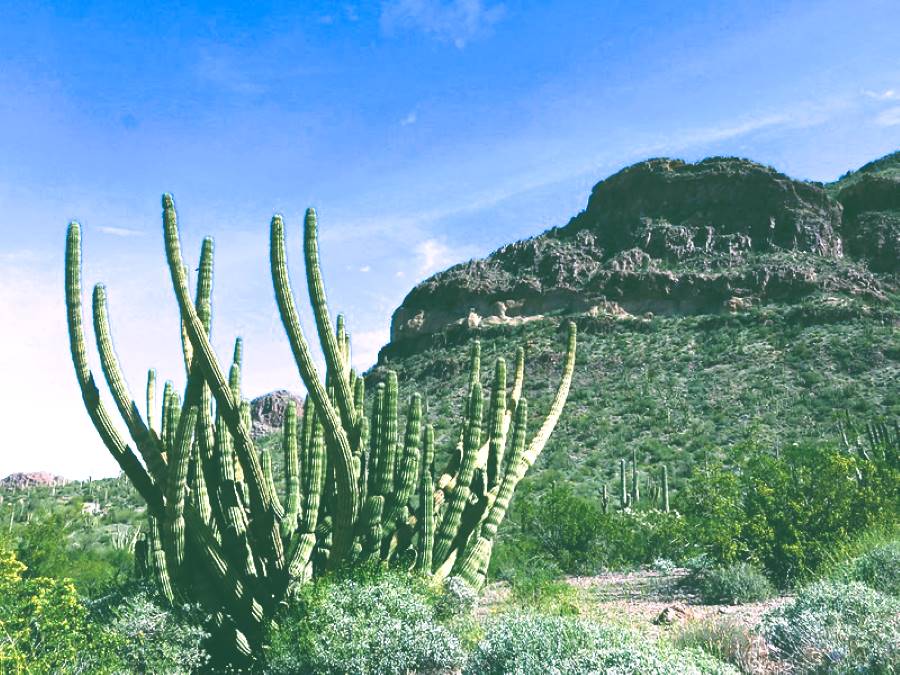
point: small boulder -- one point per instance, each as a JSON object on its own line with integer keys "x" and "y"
{"x": 673, "y": 614}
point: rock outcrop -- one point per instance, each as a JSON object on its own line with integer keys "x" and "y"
{"x": 267, "y": 411}
{"x": 31, "y": 479}
{"x": 666, "y": 236}
{"x": 871, "y": 223}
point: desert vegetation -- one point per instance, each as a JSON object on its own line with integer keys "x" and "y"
{"x": 715, "y": 490}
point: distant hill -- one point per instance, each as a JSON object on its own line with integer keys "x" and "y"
{"x": 26, "y": 480}
{"x": 719, "y": 303}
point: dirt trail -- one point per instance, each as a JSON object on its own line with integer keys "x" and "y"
{"x": 639, "y": 598}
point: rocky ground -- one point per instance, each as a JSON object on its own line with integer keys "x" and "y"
{"x": 655, "y": 603}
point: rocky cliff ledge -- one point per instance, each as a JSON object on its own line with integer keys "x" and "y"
{"x": 667, "y": 236}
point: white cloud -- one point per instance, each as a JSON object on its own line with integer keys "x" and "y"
{"x": 457, "y": 21}
{"x": 889, "y": 117}
{"x": 365, "y": 346}
{"x": 432, "y": 256}
{"x": 120, "y": 231}
{"x": 365, "y": 268}
{"x": 886, "y": 95}
{"x": 411, "y": 118}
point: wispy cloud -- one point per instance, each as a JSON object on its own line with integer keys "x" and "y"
{"x": 365, "y": 347}
{"x": 457, "y": 22}
{"x": 433, "y": 255}
{"x": 411, "y": 118}
{"x": 120, "y": 231}
{"x": 889, "y": 117}
{"x": 885, "y": 95}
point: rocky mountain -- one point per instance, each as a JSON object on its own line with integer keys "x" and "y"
{"x": 719, "y": 303}
{"x": 675, "y": 238}
{"x": 17, "y": 481}
{"x": 871, "y": 218}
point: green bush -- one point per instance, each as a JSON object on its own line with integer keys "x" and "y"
{"x": 837, "y": 628}
{"x": 44, "y": 627}
{"x": 566, "y": 525}
{"x": 788, "y": 513}
{"x": 879, "y": 568}
{"x": 803, "y": 505}
{"x": 730, "y": 641}
{"x": 540, "y": 588}
{"x": 533, "y": 644}
{"x": 156, "y": 640}
{"x": 385, "y": 625}
{"x": 736, "y": 584}
{"x": 565, "y": 530}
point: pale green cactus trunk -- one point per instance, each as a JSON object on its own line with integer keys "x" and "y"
{"x": 220, "y": 534}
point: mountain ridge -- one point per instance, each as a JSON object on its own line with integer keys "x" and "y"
{"x": 669, "y": 236}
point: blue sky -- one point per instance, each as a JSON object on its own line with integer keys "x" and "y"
{"x": 425, "y": 132}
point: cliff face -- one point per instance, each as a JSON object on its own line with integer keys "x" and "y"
{"x": 670, "y": 237}
{"x": 871, "y": 224}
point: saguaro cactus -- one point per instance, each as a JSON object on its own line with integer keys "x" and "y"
{"x": 355, "y": 489}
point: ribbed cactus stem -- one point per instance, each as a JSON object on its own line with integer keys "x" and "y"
{"x": 475, "y": 364}
{"x": 291, "y": 471}
{"x": 387, "y": 438}
{"x": 635, "y": 489}
{"x": 623, "y": 495}
{"x": 408, "y": 466}
{"x": 511, "y": 479}
{"x": 340, "y": 452}
{"x": 265, "y": 460}
{"x": 424, "y": 557}
{"x": 179, "y": 463}
{"x": 496, "y": 414}
{"x": 371, "y": 517}
{"x": 460, "y": 494}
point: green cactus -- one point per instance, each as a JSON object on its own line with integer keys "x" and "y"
{"x": 219, "y": 532}
{"x": 635, "y": 488}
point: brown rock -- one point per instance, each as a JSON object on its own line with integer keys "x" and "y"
{"x": 673, "y": 614}
{"x": 267, "y": 411}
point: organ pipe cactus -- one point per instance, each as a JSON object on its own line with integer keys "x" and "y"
{"x": 358, "y": 487}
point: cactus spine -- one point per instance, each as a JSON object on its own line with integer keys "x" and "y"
{"x": 219, "y": 532}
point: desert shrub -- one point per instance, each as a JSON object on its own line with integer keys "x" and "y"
{"x": 564, "y": 524}
{"x": 879, "y": 568}
{"x": 736, "y": 584}
{"x": 727, "y": 640}
{"x": 662, "y": 566}
{"x": 569, "y": 531}
{"x": 383, "y": 625}
{"x": 44, "y": 627}
{"x": 790, "y": 526}
{"x": 534, "y": 644}
{"x": 787, "y": 513}
{"x": 541, "y": 588}
{"x": 837, "y": 628}
{"x": 712, "y": 503}
{"x": 152, "y": 639}
{"x": 48, "y": 547}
